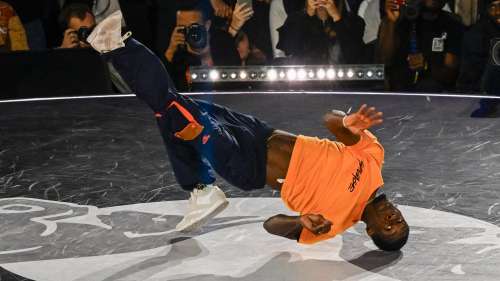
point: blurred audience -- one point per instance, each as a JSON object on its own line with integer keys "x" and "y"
{"x": 12, "y": 33}
{"x": 420, "y": 46}
{"x": 278, "y": 12}
{"x": 323, "y": 33}
{"x": 76, "y": 19}
{"x": 39, "y": 19}
{"x": 191, "y": 43}
{"x": 480, "y": 69}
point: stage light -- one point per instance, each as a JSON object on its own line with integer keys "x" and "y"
{"x": 339, "y": 73}
{"x": 321, "y": 73}
{"x": 301, "y": 74}
{"x": 272, "y": 74}
{"x": 291, "y": 74}
{"x": 214, "y": 74}
{"x": 330, "y": 73}
{"x": 243, "y": 75}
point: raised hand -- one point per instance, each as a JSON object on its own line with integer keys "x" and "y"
{"x": 392, "y": 9}
{"x": 70, "y": 39}
{"x": 331, "y": 9}
{"x": 241, "y": 14}
{"x": 311, "y": 7}
{"x": 177, "y": 38}
{"x": 363, "y": 119}
{"x": 221, "y": 9}
{"x": 317, "y": 224}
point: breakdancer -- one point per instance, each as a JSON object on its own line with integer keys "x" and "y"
{"x": 331, "y": 184}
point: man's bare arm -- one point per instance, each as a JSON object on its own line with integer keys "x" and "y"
{"x": 347, "y": 128}
{"x": 333, "y": 122}
{"x": 291, "y": 226}
{"x": 283, "y": 225}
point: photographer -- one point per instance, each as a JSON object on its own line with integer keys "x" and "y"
{"x": 322, "y": 33}
{"x": 480, "y": 69}
{"x": 76, "y": 18}
{"x": 194, "y": 43}
{"x": 420, "y": 45}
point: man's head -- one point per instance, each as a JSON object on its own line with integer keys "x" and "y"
{"x": 385, "y": 224}
{"x": 190, "y": 15}
{"x": 494, "y": 10}
{"x": 76, "y": 16}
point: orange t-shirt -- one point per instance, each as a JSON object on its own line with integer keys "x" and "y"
{"x": 329, "y": 178}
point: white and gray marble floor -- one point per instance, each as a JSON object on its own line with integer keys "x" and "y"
{"x": 86, "y": 193}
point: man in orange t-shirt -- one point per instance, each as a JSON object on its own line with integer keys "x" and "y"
{"x": 332, "y": 184}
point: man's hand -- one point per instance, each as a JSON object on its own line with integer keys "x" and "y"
{"x": 331, "y": 8}
{"x": 416, "y": 61}
{"x": 317, "y": 224}
{"x": 392, "y": 10}
{"x": 176, "y": 39}
{"x": 311, "y": 7}
{"x": 70, "y": 39}
{"x": 363, "y": 119}
{"x": 221, "y": 9}
{"x": 241, "y": 14}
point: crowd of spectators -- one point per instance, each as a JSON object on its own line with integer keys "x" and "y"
{"x": 426, "y": 45}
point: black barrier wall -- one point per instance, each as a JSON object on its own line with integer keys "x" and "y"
{"x": 52, "y": 73}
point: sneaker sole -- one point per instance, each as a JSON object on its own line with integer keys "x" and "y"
{"x": 214, "y": 211}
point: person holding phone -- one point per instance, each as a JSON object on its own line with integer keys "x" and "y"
{"x": 324, "y": 32}
{"x": 433, "y": 51}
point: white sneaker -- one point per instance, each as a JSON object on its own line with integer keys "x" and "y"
{"x": 204, "y": 204}
{"x": 107, "y": 35}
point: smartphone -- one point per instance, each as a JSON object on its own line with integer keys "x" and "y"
{"x": 247, "y": 2}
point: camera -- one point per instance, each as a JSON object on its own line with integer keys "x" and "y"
{"x": 196, "y": 35}
{"x": 83, "y": 33}
{"x": 495, "y": 51}
{"x": 410, "y": 9}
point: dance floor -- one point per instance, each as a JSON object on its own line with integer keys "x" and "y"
{"x": 87, "y": 193}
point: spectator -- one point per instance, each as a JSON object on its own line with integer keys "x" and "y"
{"x": 39, "y": 19}
{"x": 278, "y": 12}
{"x": 478, "y": 72}
{"x": 249, "y": 55}
{"x": 420, "y": 54}
{"x": 323, "y": 33}
{"x": 74, "y": 17}
{"x": 220, "y": 47}
{"x": 256, "y": 28}
{"x": 12, "y": 33}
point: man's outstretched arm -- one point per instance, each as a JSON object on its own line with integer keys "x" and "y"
{"x": 347, "y": 128}
{"x": 291, "y": 226}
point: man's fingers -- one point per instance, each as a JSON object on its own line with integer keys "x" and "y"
{"x": 362, "y": 109}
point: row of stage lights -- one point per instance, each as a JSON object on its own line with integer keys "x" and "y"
{"x": 288, "y": 73}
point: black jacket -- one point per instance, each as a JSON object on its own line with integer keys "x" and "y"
{"x": 476, "y": 71}
{"x": 304, "y": 38}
